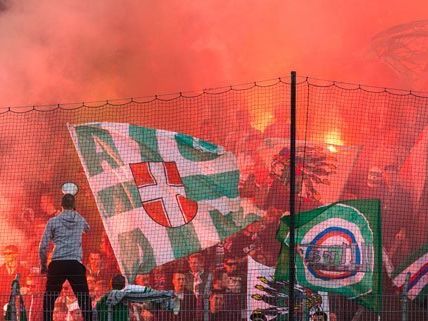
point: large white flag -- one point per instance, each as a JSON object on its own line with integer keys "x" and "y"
{"x": 161, "y": 195}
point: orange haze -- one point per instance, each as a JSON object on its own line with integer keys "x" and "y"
{"x": 69, "y": 51}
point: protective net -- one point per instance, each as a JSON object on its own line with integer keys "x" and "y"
{"x": 186, "y": 193}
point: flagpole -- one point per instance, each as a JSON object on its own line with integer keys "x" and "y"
{"x": 291, "y": 266}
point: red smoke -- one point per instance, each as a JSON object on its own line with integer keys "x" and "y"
{"x": 65, "y": 51}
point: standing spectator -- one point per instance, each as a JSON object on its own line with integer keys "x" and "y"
{"x": 95, "y": 267}
{"x": 217, "y": 312}
{"x": 65, "y": 230}
{"x": 32, "y": 299}
{"x": 199, "y": 281}
{"x": 186, "y": 300}
{"x": 8, "y": 271}
{"x": 234, "y": 297}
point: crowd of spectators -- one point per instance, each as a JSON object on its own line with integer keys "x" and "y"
{"x": 211, "y": 283}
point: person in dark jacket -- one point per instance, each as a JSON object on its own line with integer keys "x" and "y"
{"x": 185, "y": 302}
{"x": 217, "y": 312}
{"x": 65, "y": 231}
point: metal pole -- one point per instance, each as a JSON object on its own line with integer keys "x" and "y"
{"x": 404, "y": 298}
{"x": 291, "y": 265}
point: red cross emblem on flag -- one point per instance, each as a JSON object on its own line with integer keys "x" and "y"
{"x": 162, "y": 193}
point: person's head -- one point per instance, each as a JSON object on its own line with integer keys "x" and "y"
{"x": 196, "y": 262}
{"x": 142, "y": 279}
{"x": 118, "y": 282}
{"x": 319, "y": 316}
{"x": 234, "y": 283}
{"x": 68, "y": 202}
{"x": 94, "y": 260}
{"x": 10, "y": 254}
{"x": 216, "y": 301}
{"x": 178, "y": 281}
{"x": 30, "y": 284}
{"x": 231, "y": 264}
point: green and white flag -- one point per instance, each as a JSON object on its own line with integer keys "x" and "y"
{"x": 161, "y": 195}
{"x": 338, "y": 250}
{"x": 417, "y": 265}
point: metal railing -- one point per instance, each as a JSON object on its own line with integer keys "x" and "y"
{"x": 164, "y": 306}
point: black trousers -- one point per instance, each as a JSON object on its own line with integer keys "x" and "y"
{"x": 75, "y": 273}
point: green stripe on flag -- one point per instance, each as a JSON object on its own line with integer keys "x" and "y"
{"x": 119, "y": 198}
{"x": 196, "y": 150}
{"x": 209, "y": 187}
{"x": 184, "y": 240}
{"x": 133, "y": 244}
{"x": 232, "y": 222}
{"x": 148, "y": 143}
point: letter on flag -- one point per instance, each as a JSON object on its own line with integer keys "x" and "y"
{"x": 161, "y": 195}
{"x": 338, "y": 250}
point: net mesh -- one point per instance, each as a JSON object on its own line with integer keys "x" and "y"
{"x": 158, "y": 181}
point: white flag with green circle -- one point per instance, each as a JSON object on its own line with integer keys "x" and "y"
{"x": 338, "y": 250}
{"x": 161, "y": 195}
